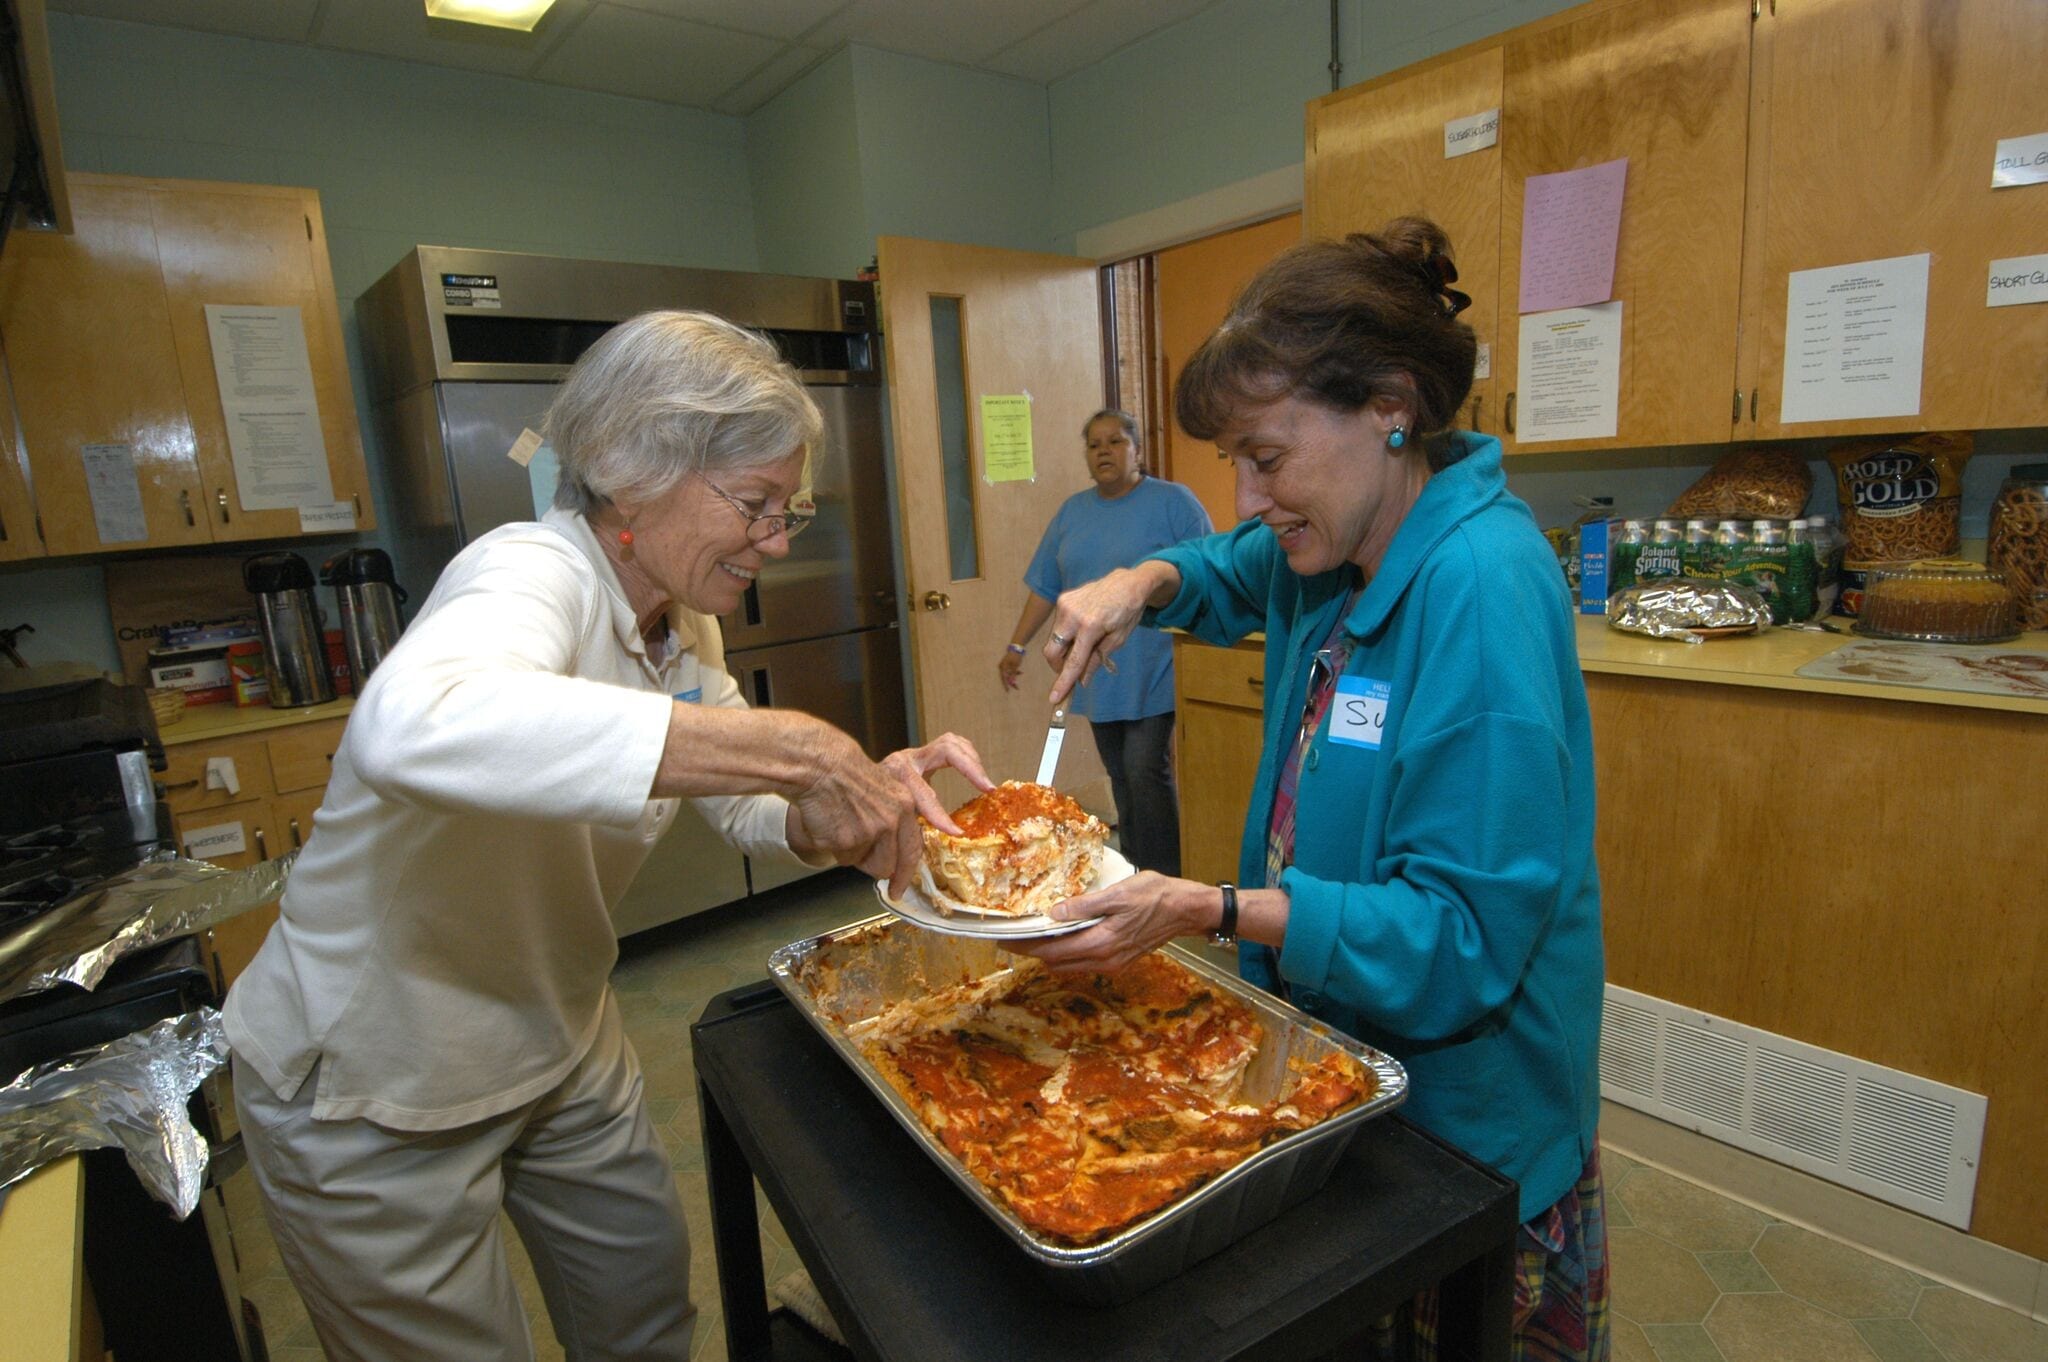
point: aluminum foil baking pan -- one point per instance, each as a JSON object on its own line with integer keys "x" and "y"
{"x": 843, "y": 980}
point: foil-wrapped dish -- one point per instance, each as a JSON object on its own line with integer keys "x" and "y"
{"x": 1691, "y": 609}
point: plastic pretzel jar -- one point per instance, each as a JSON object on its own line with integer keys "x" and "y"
{"x": 2018, "y": 546}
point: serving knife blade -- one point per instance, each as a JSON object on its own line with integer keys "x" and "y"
{"x": 1055, "y": 735}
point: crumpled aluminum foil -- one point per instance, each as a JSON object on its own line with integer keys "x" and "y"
{"x": 1673, "y": 607}
{"x": 129, "y": 1092}
{"x": 77, "y": 942}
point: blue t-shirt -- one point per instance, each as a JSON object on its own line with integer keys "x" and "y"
{"x": 1090, "y": 537}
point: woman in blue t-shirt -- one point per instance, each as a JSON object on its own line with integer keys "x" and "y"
{"x": 1123, "y": 517}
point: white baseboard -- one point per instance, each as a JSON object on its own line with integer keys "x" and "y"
{"x": 1983, "y": 1269}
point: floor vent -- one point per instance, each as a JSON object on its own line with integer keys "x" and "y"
{"x": 1895, "y": 1136}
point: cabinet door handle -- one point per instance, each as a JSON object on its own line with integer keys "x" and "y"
{"x": 262, "y": 850}
{"x": 297, "y": 841}
{"x": 1508, "y": 416}
{"x": 181, "y": 784}
{"x": 185, "y": 504}
{"x": 1752, "y": 399}
{"x": 1256, "y": 682}
{"x": 1475, "y": 412}
{"x": 220, "y": 494}
{"x": 357, "y": 499}
{"x": 1736, "y": 414}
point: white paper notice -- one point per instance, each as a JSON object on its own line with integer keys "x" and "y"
{"x": 1570, "y": 374}
{"x": 116, "y": 493}
{"x": 2023, "y": 279}
{"x": 1482, "y": 366}
{"x": 222, "y": 839}
{"x": 329, "y": 519}
{"x": 2020, "y": 160}
{"x": 266, "y": 395}
{"x": 1463, "y": 135}
{"x": 1853, "y": 340}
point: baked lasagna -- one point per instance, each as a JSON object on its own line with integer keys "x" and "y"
{"x": 1085, "y": 1103}
{"x": 1021, "y": 849}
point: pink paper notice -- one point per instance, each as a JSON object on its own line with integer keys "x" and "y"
{"x": 1569, "y": 225}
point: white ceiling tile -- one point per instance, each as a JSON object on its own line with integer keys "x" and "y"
{"x": 284, "y": 21}
{"x": 772, "y": 18}
{"x": 1088, "y": 35}
{"x": 631, "y": 52}
{"x": 771, "y": 80}
{"x": 401, "y": 28}
{"x": 964, "y": 31}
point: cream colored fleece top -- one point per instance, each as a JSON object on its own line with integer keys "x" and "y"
{"x": 445, "y": 940}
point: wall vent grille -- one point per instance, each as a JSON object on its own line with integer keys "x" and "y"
{"x": 1896, "y": 1136}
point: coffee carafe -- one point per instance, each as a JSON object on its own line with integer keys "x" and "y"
{"x": 368, "y": 597}
{"x": 288, "y": 610}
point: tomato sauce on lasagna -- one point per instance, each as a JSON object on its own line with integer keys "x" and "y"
{"x": 1086, "y": 1103}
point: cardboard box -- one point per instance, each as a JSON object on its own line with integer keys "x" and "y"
{"x": 1596, "y": 539}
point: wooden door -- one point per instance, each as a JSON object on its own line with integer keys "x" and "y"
{"x": 1915, "y": 95}
{"x": 1006, "y": 323}
{"x": 92, "y": 361}
{"x": 261, "y": 246}
{"x": 1376, "y": 152}
{"x": 19, "y": 537}
{"x": 1195, "y": 285}
{"x": 1666, "y": 84}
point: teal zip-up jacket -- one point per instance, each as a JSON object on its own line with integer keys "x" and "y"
{"x": 1444, "y": 903}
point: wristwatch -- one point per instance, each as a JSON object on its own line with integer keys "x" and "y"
{"x": 1226, "y": 928}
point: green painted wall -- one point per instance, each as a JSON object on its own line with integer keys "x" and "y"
{"x": 803, "y": 158}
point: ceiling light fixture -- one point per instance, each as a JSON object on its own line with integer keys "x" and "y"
{"x": 519, "y": 14}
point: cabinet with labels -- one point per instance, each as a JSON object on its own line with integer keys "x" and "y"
{"x": 238, "y": 800}
{"x": 125, "y": 437}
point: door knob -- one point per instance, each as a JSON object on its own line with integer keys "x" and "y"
{"x": 936, "y": 600}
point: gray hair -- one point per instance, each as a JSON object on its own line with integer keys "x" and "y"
{"x": 1121, "y": 417}
{"x": 668, "y": 394}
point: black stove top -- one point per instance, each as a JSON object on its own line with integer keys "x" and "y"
{"x": 46, "y": 866}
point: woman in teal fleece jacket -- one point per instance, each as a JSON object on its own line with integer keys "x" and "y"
{"x": 1417, "y": 866}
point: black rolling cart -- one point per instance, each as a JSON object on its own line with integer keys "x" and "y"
{"x": 913, "y": 1271}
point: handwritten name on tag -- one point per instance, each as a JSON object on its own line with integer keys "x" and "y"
{"x": 1359, "y": 713}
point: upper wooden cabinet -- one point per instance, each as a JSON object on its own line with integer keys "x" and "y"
{"x": 19, "y": 537}
{"x": 1761, "y": 139}
{"x": 107, "y": 344}
{"x": 1875, "y": 139}
{"x": 1376, "y": 152}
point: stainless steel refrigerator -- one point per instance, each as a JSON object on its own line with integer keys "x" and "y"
{"x": 465, "y": 348}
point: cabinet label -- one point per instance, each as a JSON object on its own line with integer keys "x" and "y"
{"x": 1475, "y": 132}
{"x": 2022, "y": 279}
{"x": 1358, "y": 714}
{"x": 327, "y": 518}
{"x": 116, "y": 493}
{"x": 222, "y": 839}
{"x": 1482, "y": 363}
{"x": 2020, "y": 160}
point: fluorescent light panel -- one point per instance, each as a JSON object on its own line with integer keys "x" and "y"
{"x": 519, "y": 14}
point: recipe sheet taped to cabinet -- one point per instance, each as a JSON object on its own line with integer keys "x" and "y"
{"x": 267, "y": 401}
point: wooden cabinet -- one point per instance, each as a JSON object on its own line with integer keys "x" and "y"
{"x": 1219, "y": 696}
{"x": 1761, "y": 140}
{"x": 107, "y": 343}
{"x": 1875, "y": 139}
{"x": 280, "y": 778}
{"x": 1376, "y": 152}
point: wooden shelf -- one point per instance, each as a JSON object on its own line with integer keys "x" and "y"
{"x": 206, "y": 723}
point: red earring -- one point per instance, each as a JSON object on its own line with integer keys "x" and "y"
{"x": 626, "y": 538}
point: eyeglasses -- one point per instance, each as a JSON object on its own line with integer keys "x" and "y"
{"x": 764, "y": 526}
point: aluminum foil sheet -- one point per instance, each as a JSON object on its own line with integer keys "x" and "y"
{"x": 130, "y": 1093}
{"x": 842, "y": 982}
{"x": 1691, "y": 609}
{"x": 78, "y": 941}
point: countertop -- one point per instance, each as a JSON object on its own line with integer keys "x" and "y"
{"x": 207, "y": 723}
{"x": 41, "y": 1279}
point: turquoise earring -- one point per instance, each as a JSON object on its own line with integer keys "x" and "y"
{"x": 1396, "y": 438}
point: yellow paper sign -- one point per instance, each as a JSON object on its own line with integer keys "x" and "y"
{"x": 1006, "y": 438}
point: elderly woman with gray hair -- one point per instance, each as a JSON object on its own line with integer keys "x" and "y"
{"x": 428, "y": 1035}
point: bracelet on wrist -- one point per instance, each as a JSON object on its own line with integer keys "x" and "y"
{"x": 1016, "y": 648}
{"x": 1226, "y": 927}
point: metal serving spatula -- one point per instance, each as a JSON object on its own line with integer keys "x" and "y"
{"x": 1049, "y": 760}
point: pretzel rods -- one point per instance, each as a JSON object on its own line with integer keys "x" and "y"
{"x": 1748, "y": 484}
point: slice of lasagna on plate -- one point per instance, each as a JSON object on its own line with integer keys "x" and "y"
{"x": 1022, "y": 848}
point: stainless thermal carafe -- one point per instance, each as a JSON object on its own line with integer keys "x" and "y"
{"x": 368, "y": 597}
{"x": 294, "y": 653}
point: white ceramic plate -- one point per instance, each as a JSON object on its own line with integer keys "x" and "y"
{"x": 916, "y": 906}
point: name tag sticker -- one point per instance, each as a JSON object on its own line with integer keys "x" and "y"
{"x": 1359, "y": 713}
{"x": 692, "y": 696}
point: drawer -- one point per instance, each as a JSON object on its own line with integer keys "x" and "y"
{"x": 302, "y": 758}
{"x": 219, "y": 830}
{"x": 1222, "y": 676}
{"x": 184, "y": 777}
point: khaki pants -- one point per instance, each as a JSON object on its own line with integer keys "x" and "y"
{"x": 393, "y": 1237}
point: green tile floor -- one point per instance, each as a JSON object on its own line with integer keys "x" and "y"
{"x": 1697, "y": 1277}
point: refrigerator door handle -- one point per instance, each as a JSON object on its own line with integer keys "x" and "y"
{"x": 758, "y": 693}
